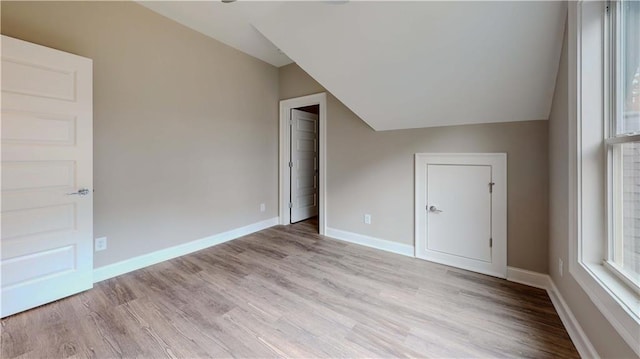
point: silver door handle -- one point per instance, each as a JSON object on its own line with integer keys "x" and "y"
{"x": 434, "y": 209}
{"x": 81, "y": 192}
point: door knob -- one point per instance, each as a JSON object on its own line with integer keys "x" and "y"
{"x": 81, "y": 192}
{"x": 434, "y": 209}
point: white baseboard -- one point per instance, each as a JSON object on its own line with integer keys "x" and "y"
{"x": 145, "y": 260}
{"x": 527, "y": 277}
{"x": 382, "y": 244}
{"x": 544, "y": 281}
{"x": 578, "y": 336}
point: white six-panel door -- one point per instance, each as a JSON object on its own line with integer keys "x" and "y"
{"x": 47, "y": 148}
{"x": 461, "y": 211}
{"x": 304, "y": 165}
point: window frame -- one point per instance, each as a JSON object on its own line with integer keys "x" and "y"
{"x": 613, "y": 142}
{"x": 589, "y": 182}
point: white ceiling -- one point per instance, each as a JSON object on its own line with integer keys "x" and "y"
{"x": 403, "y": 64}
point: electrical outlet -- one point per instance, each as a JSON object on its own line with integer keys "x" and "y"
{"x": 560, "y": 267}
{"x": 263, "y": 207}
{"x": 367, "y": 219}
{"x": 100, "y": 244}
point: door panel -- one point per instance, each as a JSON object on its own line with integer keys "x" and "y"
{"x": 33, "y": 266}
{"x": 36, "y": 78}
{"x": 31, "y": 221}
{"x": 304, "y": 170}
{"x": 23, "y": 175}
{"x": 47, "y": 145}
{"x": 463, "y": 228}
{"x": 19, "y": 127}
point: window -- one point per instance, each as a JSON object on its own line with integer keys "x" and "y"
{"x": 623, "y": 140}
{"x": 604, "y": 159}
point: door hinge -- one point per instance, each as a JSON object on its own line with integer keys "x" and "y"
{"x": 290, "y": 164}
{"x": 491, "y": 184}
{"x": 290, "y": 205}
{"x": 490, "y": 242}
{"x": 290, "y": 122}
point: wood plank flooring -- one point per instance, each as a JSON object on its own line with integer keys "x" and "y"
{"x": 288, "y": 292}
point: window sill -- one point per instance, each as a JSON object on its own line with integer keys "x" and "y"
{"x": 623, "y": 276}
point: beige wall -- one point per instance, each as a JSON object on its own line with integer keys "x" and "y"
{"x": 185, "y": 127}
{"x": 602, "y": 335}
{"x": 372, "y": 172}
{"x": 186, "y": 146}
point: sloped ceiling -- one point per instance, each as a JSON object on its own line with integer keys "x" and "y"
{"x": 401, "y": 65}
{"x": 227, "y": 23}
{"x": 422, "y": 64}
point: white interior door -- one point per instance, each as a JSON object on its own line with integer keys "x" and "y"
{"x": 47, "y": 175}
{"x": 461, "y": 215}
{"x": 304, "y": 165}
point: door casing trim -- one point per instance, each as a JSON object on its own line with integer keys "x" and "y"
{"x": 284, "y": 181}
{"x": 498, "y": 161}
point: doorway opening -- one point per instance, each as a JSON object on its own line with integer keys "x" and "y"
{"x": 302, "y": 161}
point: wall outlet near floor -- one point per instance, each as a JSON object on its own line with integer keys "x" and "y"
{"x": 100, "y": 244}
{"x": 263, "y": 207}
{"x": 560, "y": 267}
{"x": 367, "y": 219}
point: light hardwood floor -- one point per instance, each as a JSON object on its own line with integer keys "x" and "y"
{"x": 288, "y": 292}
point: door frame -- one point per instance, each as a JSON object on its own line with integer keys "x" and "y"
{"x": 498, "y": 162}
{"x": 284, "y": 181}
